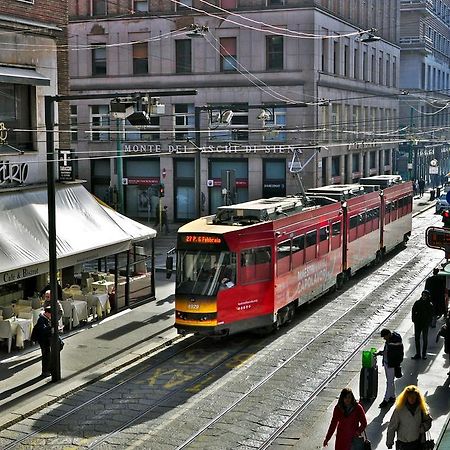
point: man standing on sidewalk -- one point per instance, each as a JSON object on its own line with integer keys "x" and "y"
{"x": 436, "y": 285}
{"x": 392, "y": 358}
{"x": 422, "y": 315}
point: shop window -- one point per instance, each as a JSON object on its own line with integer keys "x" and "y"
{"x": 355, "y": 162}
{"x": 140, "y": 58}
{"x": 274, "y": 178}
{"x": 335, "y": 166}
{"x": 183, "y": 56}
{"x": 184, "y": 122}
{"x": 228, "y": 55}
{"x": 18, "y": 100}
{"x": 255, "y": 265}
{"x": 100, "y": 121}
{"x": 98, "y": 59}
{"x": 274, "y": 52}
{"x": 184, "y": 189}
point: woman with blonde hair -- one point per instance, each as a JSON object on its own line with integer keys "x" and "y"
{"x": 410, "y": 420}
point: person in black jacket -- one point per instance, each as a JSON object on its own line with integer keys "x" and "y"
{"x": 445, "y": 333}
{"x": 42, "y": 333}
{"x": 422, "y": 315}
{"x": 392, "y": 358}
{"x": 436, "y": 285}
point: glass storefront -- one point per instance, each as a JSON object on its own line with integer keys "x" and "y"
{"x": 184, "y": 189}
{"x": 274, "y": 178}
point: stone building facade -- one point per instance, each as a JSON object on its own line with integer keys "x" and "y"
{"x": 308, "y": 93}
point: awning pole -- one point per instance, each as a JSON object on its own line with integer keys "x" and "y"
{"x": 50, "y": 146}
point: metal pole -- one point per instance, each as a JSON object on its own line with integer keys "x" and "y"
{"x": 119, "y": 166}
{"x": 50, "y": 148}
{"x": 198, "y": 200}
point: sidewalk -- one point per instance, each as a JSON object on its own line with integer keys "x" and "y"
{"x": 133, "y": 334}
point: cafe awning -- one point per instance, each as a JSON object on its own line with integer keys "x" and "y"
{"x": 85, "y": 230}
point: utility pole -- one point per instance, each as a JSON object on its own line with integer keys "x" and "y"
{"x": 198, "y": 191}
{"x": 119, "y": 123}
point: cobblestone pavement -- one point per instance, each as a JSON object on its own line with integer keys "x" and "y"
{"x": 187, "y": 395}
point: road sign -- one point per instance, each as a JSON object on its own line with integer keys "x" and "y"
{"x": 438, "y": 238}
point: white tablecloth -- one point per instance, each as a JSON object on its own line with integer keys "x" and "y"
{"x": 79, "y": 311}
{"x": 103, "y": 286}
{"x": 102, "y": 304}
{"x": 21, "y": 328}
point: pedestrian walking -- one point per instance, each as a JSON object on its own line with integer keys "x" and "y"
{"x": 415, "y": 187}
{"x": 445, "y": 333}
{"x": 436, "y": 285}
{"x": 165, "y": 220}
{"x": 410, "y": 420}
{"x": 422, "y": 315}
{"x": 392, "y": 353}
{"x": 421, "y": 187}
{"x": 350, "y": 420}
{"x": 42, "y": 333}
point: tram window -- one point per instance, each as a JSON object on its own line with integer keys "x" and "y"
{"x": 255, "y": 265}
{"x": 361, "y": 218}
{"x": 298, "y": 243}
{"x": 323, "y": 234}
{"x": 283, "y": 249}
{"x": 353, "y": 221}
{"x": 375, "y": 213}
{"x": 311, "y": 238}
{"x": 336, "y": 228}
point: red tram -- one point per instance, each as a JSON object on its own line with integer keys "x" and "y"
{"x": 250, "y": 265}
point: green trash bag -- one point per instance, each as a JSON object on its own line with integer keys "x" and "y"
{"x": 369, "y": 358}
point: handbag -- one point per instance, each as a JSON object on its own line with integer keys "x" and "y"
{"x": 367, "y": 443}
{"x": 398, "y": 372}
{"x": 361, "y": 443}
{"x": 427, "y": 442}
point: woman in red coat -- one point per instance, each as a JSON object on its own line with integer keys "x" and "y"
{"x": 349, "y": 418}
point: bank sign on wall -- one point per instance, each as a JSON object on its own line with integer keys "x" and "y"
{"x": 226, "y": 148}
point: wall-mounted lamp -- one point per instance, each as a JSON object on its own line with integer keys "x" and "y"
{"x": 369, "y": 36}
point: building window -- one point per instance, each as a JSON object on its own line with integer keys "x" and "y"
{"x": 140, "y": 58}
{"x": 365, "y": 69}
{"x": 74, "y": 122}
{"x": 99, "y": 7}
{"x": 184, "y": 121}
{"x": 237, "y": 130}
{"x": 18, "y": 100}
{"x": 100, "y": 121}
{"x": 149, "y": 133}
{"x": 335, "y": 166}
{"x": 356, "y": 64}
{"x": 140, "y": 6}
{"x": 346, "y": 60}
{"x": 98, "y": 59}
{"x": 355, "y": 162}
{"x": 274, "y": 52}
{"x": 325, "y": 44}
{"x": 228, "y": 61}
{"x": 275, "y": 124}
{"x": 183, "y": 4}
{"x": 183, "y": 56}
{"x": 275, "y": 2}
{"x": 336, "y": 59}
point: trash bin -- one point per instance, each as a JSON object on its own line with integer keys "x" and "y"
{"x": 432, "y": 194}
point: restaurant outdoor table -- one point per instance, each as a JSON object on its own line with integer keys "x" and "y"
{"x": 103, "y": 286}
{"x": 102, "y": 304}
{"x": 79, "y": 311}
{"x": 21, "y": 328}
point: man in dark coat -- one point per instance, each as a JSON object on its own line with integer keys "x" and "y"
{"x": 42, "y": 333}
{"x": 436, "y": 285}
{"x": 422, "y": 315}
{"x": 392, "y": 358}
{"x": 421, "y": 187}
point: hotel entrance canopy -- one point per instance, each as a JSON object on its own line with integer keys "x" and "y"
{"x": 85, "y": 229}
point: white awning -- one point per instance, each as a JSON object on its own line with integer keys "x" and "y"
{"x": 85, "y": 230}
{"x": 17, "y": 75}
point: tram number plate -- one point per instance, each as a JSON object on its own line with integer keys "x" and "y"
{"x": 438, "y": 238}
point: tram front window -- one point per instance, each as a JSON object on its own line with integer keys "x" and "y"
{"x": 204, "y": 273}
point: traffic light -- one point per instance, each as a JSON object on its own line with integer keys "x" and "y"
{"x": 446, "y": 219}
{"x": 161, "y": 190}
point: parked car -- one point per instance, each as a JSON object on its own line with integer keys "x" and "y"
{"x": 442, "y": 204}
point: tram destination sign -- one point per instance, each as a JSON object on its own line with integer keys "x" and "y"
{"x": 208, "y": 242}
{"x": 438, "y": 238}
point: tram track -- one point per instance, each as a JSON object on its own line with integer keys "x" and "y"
{"x": 107, "y": 440}
{"x": 255, "y": 390}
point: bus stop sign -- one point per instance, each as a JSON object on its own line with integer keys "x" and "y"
{"x": 438, "y": 238}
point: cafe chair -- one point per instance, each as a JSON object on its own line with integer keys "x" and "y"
{"x": 25, "y": 315}
{"x": 92, "y": 305}
{"x": 8, "y": 312}
{"x": 6, "y": 333}
{"x": 67, "y": 316}
{"x": 36, "y": 303}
